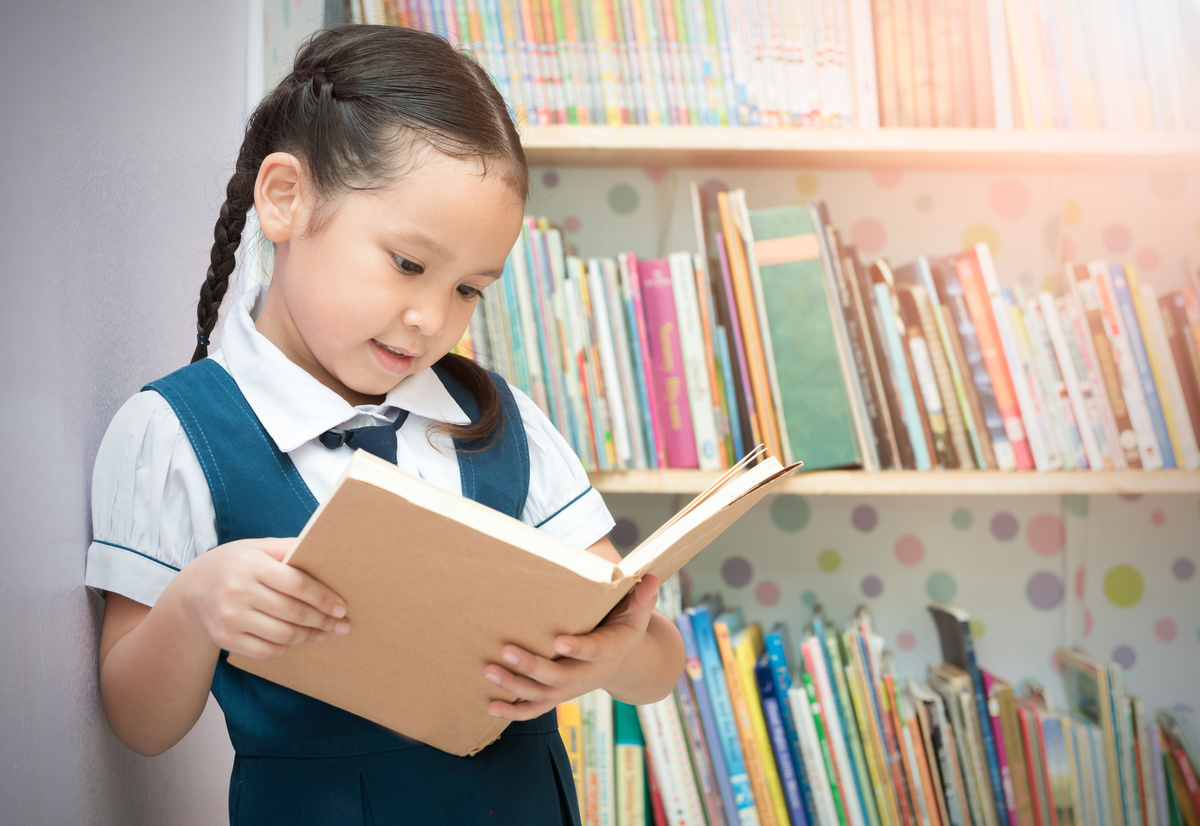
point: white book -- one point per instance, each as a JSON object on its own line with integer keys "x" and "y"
{"x": 599, "y": 805}
{"x": 605, "y": 327}
{"x": 622, "y": 337}
{"x": 1025, "y": 370}
{"x": 1156, "y": 341}
{"x": 1131, "y": 385}
{"x": 1071, "y": 377}
{"x": 1046, "y": 455}
{"x": 1054, "y": 386}
{"x": 810, "y": 753}
{"x": 529, "y": 326}
{"x": 695, "y": 360}
{"x": 670, "y": 761}
{"x": 835, "y": 736}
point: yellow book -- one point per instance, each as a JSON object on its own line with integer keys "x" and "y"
{"x": 872, "y": 744}
{"x": 1156, "y": 367}
{"x": 570, "y": 727}
{"x": 726, "y": 629}
{"x": 748, "y": 647}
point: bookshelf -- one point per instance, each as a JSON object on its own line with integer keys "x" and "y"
{"x": 910, "y": 149}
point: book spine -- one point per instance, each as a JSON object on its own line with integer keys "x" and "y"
{"x": 781, "y": 673}
{"x": 1057, "y": 327}
{"x": 779, "y": 743}
{"x": 605, "y": 326}
{"x": 693, "y": 352}
{"x": 1183, "y": 352}
{"x": 982, "y": 707}
{"x": 971, "y": 277}
{"x": 669, "y": 761}
{"x": 937, "y": 423}
{"x": 697, "y": 746}
{"x": 615, "y": 274}
{"x": 814, "y": 660}
{"x": 655, "y": 441}
{"x": 666, "y": 358}
{"x": 814, "y": 761}
{"x": 1183, "y": 436}
{"x": 629, "y": 758}
{"x": 850, "y": 727}
{"x": 570, "y": 727}
{"x": 745, "y": 726}
{"x": 1014, "y": 750}
{"x": 1039, "y": 415}
{"x": 1054, "y": 386}
{"x": 1124, "y": 300}
{"x": 902, "y": 381}
{"x": 818, "y": 715}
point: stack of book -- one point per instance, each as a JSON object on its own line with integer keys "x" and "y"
{"x": 777, "y": 332}
{"x": 1027, "y": 64}
{"x": 823, "y": 733}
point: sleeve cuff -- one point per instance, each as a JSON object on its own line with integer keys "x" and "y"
{"x": 127, "y": 572}
{"x": 582, "y": 522}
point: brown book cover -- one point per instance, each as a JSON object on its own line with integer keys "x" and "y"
{"x": 940, "y": 18}
{"x": 435, "y": 584}
{"x": 922, "y": 65}
{"x": 886, "y": 77}
{"x": 1183, "y": 352}
{"x": 920, "y": 345}
{"x": 906, "y": 88}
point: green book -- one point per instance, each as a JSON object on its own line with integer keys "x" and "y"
{"x": 813, "y": 400}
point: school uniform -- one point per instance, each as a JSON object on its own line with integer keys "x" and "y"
{"x": 229, "y": 448}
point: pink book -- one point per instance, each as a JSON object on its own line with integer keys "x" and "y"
{"x": 993, "y": 705}
{"x": 648, "y": 380}
{"x": 979, "y": 305}
{"x": 670, "y": 382}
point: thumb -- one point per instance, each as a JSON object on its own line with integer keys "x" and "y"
{"x": 276, "y": 547}
{"x": 647, "y": 593}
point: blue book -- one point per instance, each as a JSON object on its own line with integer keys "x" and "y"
{"x": 1141, "y": 359}
{"x": 902, "y": 380}
{"x": 777, "y": 644}
{"x": 641, "y": 369}
{"x": 718, "y": 693}
{"x": 740, "y": 448}
{"x": 768, "y": 695}
{"x": 958, "y": 648}
{"x": 694, "y": 671}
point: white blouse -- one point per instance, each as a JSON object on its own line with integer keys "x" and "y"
{"x": 151, "y": 508}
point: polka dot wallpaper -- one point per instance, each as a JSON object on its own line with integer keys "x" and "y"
{"x": 1116, "y": 574}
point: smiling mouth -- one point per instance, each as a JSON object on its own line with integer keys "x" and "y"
{"x": 396, "y": 351}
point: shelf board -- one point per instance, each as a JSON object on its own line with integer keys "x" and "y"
{"x": 932, "y": 149}
{"x": 908, "y": 483}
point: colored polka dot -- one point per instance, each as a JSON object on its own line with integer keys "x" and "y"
{"x": 1183, "y": 569}
{"x": 869, "y": 235}
{"x": 925, "y": 202}
{"x": 1130, "y": 497}
{"x": 622, "y": 199}
{"x": 1088, "y": 622}
{"x": 1080, "y": 579}
{"x": 709, "y": 190}
{"x": 909, "y": 550}
{"x": 1044, "y": 590}
{"x": 1148, "y": 259}
{"x": 625, "y": 534}
{"x": 737, "y": 572}
{"x": 961, "y": 518}
{"x": 809, "y": 598}
{"x": 872, "y": 586}
{"x": 1158, "y": 518}
{"x": 829, "y": 560}
{"x": 887, "y": 178}
{"x": 1124, "y": 656}
{"x": 571, "y": 224}
{"x": 941, "y": 587}
{"x": 550, "y": 178}
{"x": 981, "y": 234}
{"x": 655, "y": 173}
{"x": 767, "y": 593}
{"x": 906, "y": 640}
{"x": 1076, "y": 503}
{"x": 1123, "y": 586}
{"x": 1117, "y": 238}
{"x": 1168, "y": 186}
{"x": 1072, "y": 212}
{"x": 790, "y": 513}
{"x": 1166, "y": 629}
{"x": 1004, "y": 526}
{"x": 1009, "y": 198}
{"x": 978, "y": 629}
{"x": 806, "y": 184}
{"x": 864, "y": 518}
{"x": 1045, "y": 534}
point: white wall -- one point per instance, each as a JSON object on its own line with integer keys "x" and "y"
{"x": 119, "y": 122}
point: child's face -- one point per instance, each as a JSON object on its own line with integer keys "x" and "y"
{"x": 387, "y": 286}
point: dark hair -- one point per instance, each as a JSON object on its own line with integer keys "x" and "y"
{"x": 356, "y": 95}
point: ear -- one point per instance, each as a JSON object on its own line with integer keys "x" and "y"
{"x": 277, "y": 196}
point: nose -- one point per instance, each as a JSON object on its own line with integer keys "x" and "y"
{"x": 426, "y": 313}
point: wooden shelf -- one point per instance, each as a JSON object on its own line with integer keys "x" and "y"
{"x": 900, "y": 483}
{"x": 933, "y": 149}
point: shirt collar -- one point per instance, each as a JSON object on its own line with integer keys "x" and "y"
{"x": 293, "y": 406}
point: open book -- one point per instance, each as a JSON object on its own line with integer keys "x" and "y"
{"x": 435, "y": 584}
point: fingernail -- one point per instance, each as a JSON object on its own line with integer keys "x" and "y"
{"x": 562, "y": 648}
{"x": 342, "y": 627}
{"x": 339, "y": 611}
{"x": 509, "y": 657}
{"x": 320, "y": 636}
{"x": 494, "y": 677}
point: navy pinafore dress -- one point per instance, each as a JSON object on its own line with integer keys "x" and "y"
{"x": 302, "y": 762}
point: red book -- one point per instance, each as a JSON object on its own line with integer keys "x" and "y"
{"x": 979, "y": 305}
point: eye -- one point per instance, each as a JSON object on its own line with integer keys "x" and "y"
{"x": 469, "y": 293}
{"x": 411, "y": 267}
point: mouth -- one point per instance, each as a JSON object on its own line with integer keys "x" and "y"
{"x": 393, "y": 359}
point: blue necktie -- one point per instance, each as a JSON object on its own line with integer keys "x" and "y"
{"x": 379, "y": 439}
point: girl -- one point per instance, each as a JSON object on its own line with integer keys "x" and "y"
{"x": 391, "y": 181}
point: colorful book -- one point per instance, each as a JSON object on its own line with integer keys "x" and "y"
{"x": 667, "y": 364}
{"x": 629, "y": 757}
{"x": 694, "y": 354}
{"x": 893, "y": 332}
{"x": 570, "y": 728}
{"x": 781, "y": 748}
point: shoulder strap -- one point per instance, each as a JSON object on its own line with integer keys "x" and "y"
{"x": 240, "y": 461}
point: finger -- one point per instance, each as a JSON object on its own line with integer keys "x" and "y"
{"x": 295, "y": 583}
{"x": 278, "y": 632}
{"x": 256, "y": 648}
{"x": 297, "y": 612}
{"x": 521, "y": 710}
{"x": 277, "y": 548}
{"x": 526, "y": 675}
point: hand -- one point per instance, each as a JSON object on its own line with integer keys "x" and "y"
{"x": 249, "y": 602}
{"x": 588, "y": 661}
